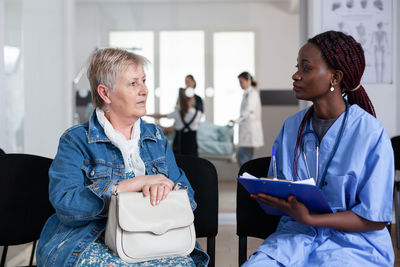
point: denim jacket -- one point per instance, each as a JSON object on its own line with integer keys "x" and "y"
{"x": 82, "y": 174}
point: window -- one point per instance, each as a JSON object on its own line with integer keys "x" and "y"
{"x": 181, "y": 53}
{"x": 233, "y": 53}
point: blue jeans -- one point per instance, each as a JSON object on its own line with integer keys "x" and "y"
{"x": 244, "y": 154}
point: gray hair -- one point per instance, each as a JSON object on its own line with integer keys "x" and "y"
{"x": 105, "y": 66}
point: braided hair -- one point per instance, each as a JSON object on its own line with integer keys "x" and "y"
{"x": 341, "y": 52}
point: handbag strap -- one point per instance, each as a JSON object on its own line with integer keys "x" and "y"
{"x": 178, "y": 186}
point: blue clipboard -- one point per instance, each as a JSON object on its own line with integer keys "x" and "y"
{"x": 309, "y": 195}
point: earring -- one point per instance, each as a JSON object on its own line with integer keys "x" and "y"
{"x": 107, "y": 115}
{"x": 332, "y": 88}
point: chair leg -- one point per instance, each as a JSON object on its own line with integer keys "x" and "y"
{"x": 242, "y": 249}
{"x": 4, "y": 256}
{"x": 397, "y": 213}
{"x": 32, "y": 253}
{"x": 211, "y": 250}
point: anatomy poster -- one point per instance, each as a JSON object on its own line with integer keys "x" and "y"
{"x": 370, "y": 23}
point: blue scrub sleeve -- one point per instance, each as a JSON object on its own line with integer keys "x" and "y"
{"x": 375, "y": 191}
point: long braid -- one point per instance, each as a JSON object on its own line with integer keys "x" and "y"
{"x": 297, "y": 149}
{"x": 341, "y": 52}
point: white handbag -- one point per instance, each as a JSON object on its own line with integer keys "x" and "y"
{"x": 137, "y": 231}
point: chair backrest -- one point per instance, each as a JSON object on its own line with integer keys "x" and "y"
{"x": 251, "y": 220}
{"x": 396, "y": 149}
{"x": 202, "y": 176}
{"x": 24, "y": 197}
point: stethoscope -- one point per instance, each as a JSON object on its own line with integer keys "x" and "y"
{"x": 304, "y": 145}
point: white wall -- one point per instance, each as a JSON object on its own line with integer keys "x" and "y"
{"x": 397, "y": 70}
{"x": 275, "y": 27}
{"x": 52, "y": 52}
{"x": 384, "y": 97}
{"x": 14, "y": 80}
{"x": 46, "y": 75}
{"x": 275, "y": 24}
{"x": 2, "y": 91}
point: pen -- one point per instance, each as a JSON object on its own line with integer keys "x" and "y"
{"x": 274, "y": 161}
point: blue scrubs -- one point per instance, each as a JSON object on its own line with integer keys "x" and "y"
{"x": 359, "y": 178}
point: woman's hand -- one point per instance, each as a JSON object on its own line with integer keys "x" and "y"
{"x": 291, "y": 207}
{"x": 157, "y": 115}
{"x": 158, "y": 186}
{"x": 343, "y": 221}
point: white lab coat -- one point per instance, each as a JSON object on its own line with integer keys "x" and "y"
{"x": 250, "y": 126}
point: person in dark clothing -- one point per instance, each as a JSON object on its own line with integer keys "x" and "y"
{"x": 187, "y": 118}
{"x": 190, "y": 82}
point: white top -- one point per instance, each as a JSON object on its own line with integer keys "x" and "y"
{"x": 134, "y": 164}
{"x": 188, "y": 117}
{"x": 250, "y": 126}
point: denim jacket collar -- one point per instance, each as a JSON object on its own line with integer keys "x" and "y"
{"x": 147, "y": 134}
{"x": 96, "y": 132}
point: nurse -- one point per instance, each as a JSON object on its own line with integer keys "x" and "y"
{"x": 250, "y": 126}
{"x": 346, "y": 150}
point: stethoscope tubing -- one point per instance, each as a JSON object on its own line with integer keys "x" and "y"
{"x": 308, "y": 131}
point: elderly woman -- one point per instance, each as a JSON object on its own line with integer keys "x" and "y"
{"x": 115, "y": 148}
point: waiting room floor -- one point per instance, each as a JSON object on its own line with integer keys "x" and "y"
{"x": 226, "y": 241}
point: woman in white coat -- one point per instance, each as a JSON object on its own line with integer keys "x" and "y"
{"x": 250, "y": 128}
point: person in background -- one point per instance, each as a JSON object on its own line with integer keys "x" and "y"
{"x": 340, "y": 145}
{"x": 114, "y": 150}
{"x": 190, "y": 82}
{"x": 250, "y": 127}
{"x": 187, "y": 118}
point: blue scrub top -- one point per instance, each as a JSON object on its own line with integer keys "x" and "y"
{"x": 359, "y": 178}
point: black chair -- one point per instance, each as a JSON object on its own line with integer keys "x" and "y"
{"x": 396, "y": 149}
{"x": 24, "y": 200}
{"x": 2, "y": 152}
{"x": 251, "y": 220}
{"x": 202, "y": 176}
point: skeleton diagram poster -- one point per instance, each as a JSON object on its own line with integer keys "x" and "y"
{"x": 370, "y": 23}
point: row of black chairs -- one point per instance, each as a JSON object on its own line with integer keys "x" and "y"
{"x": 20, "y": 172}
{"x": 24, "y": 200}
{"x": 25, "y": 206}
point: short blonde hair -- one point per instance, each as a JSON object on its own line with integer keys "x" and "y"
{"x": 105, "y": 66}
